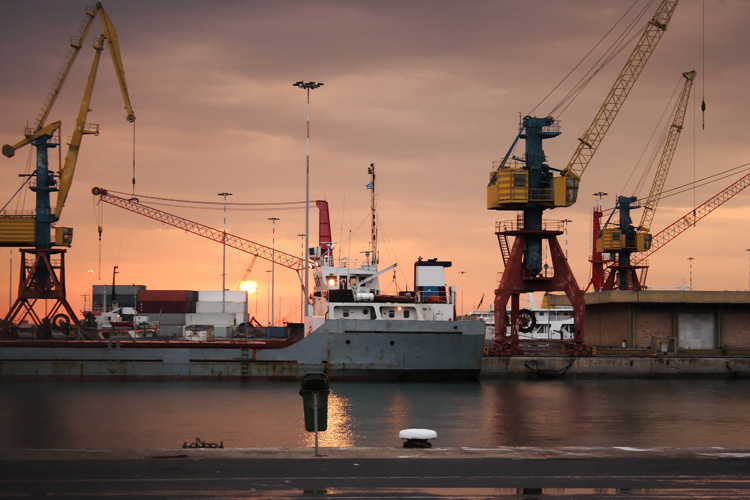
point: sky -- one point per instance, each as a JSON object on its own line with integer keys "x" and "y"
{"x": 429, "y": 91}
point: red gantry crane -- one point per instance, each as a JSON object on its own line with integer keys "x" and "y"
{"x": 528, "y": 185}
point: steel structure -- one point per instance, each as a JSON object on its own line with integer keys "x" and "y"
{"x": 527, "y": 184}
{"x": 624, "y": 238}
{"x": 45, "y": 280}
{"x": 692, "y": 217}
{"x": 217, "y": 235}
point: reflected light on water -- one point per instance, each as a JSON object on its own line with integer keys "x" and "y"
{"x": 340, "y": 432}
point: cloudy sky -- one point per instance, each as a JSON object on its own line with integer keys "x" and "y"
{"x": 429, "y": 91}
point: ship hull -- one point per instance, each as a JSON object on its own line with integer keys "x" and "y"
{"x": 343, "y": 349}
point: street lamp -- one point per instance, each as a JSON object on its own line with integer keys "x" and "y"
{"x": 224, "y": 256}
{"x": 691, "y": 259}
{"x": 565, "y": 225}
{"x": 303, "y": 292}
{"x": 462, "y": 291}
{"x": 307, "y": 86}
{"x": 273, "y": 262}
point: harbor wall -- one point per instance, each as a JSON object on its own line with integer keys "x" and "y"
{"x": 658, "y": 366}
{"x": 653, "y": 319}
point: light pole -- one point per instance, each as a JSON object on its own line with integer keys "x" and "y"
{"x": 748, "y": 268}
{"x": 273, "y": 262}
{"x": 565, "y": 225}
{"x": 462, "y": 291}
{"x": 224, "y": 256}
{"x": 302, "y": 303}
{"x": 90, "y": 272}
{"x": 691, "y": 259}
{"x": 268, "y": 301}
{"x": 307, "y": 86}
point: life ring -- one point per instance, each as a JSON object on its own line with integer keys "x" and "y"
{"x": 61, "y": 321}
{"x": 526, "y": 320}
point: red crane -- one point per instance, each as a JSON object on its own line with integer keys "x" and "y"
{"x": 689, "y": 219}
{"x": 217, "y": 235}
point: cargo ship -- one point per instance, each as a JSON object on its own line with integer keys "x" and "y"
{"x": 352, "y": 332}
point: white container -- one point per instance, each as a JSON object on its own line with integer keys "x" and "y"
{"x": 216, "y": 296}
{"x": 215, "y": 307}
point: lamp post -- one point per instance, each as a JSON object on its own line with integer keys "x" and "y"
{"x": 307, "y": 86}
{"x": 748, "y": 268}
{"x": 273, "y": 263}
{"x": 462, "y": 291}
{"x": 89, "y": 273}
{"x": 224, "y": 256}
{"x": 303, "y": 292}
{"x": 565, "y": 225}
{"x": 691, "y": 259}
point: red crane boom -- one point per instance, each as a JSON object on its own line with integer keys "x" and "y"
{"x": 689, "y": 219}
{"x": 232, "y": 241}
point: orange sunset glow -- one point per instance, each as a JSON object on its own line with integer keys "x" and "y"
{"x": 429, "y": 91}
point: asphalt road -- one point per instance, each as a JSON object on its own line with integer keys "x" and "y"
{"x": 382, "y": 473}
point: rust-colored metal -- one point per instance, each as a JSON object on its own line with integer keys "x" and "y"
{"x": 515, "y": 281}
{"x": 42, "y": 279}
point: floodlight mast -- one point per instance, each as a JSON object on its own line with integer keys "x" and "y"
{"x": 307, "y": 86}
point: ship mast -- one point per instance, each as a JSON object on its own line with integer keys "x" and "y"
{"x": 374, "y": 235}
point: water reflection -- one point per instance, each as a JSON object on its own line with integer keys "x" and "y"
{"x": 340, "y": 433}
{"x": 496, "y": 413}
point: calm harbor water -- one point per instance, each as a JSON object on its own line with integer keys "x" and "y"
{"x": 484, "y": 414}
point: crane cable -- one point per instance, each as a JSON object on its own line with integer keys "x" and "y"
{"x": 622, "y": 41}
{"x": 133, "y": 158}
{"x": 672, "y": 103}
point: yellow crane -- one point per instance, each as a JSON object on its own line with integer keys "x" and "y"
{"x": 528, "y": 184}
{"x": 33, "y": 230}
{"x": 623, "y": 238}
{"x": 43, "y": 267}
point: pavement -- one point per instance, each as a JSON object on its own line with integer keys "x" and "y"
{"x": 368, "y": 473}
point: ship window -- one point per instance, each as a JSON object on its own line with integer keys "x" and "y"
{"x": 353, "y": 282}
{"x": 346, "y": 313}
{"x": 406, "y": 314}
{"x": 331, "y": 280}
{"x": 364, "y": 311}
{"x": 391, "y": 313}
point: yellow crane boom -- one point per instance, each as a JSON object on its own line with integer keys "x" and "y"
{"x": 589, "y": 142}
{"x": 657, "y": 187}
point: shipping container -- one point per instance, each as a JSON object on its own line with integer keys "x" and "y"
{"x": 167, "y": 296}
{"x": 215, "y": 307}
{"x": 216, "y": 296}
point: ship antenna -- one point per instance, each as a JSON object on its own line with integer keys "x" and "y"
{"x": 371, "y": 187}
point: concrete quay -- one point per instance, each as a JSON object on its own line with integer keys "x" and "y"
{"x": 646, "y": 366}
{"x": 393, "y": 473}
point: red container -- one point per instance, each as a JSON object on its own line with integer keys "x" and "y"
{"x": 154, "y": 307}
{"x": 167, "y": 296}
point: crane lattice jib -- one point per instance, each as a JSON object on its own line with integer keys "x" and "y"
{"x": 591, "y": 140}
{"x": 649, "y": 208}
{"x": 232, "y": 241}
{"x": 689, "y": 219}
